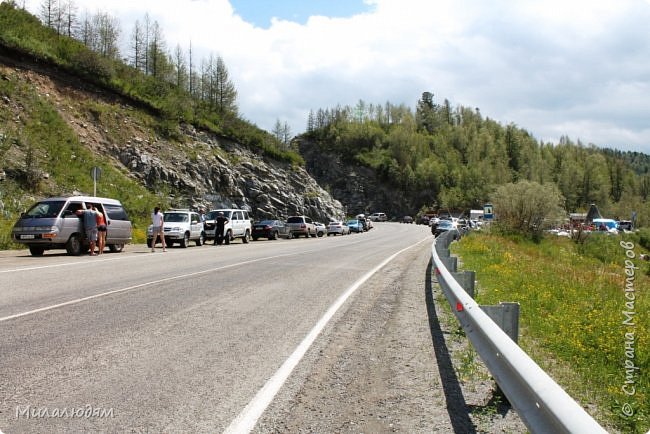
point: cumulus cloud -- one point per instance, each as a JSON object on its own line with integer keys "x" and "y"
{"x": 576, "y": 68}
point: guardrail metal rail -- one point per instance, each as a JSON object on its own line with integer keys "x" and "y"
{"x": 542, "y": 405}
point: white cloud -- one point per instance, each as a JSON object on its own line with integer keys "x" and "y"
{"x": 576, "y": 68}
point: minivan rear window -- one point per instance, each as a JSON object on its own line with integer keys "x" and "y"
{"x": 115, "y": 212}
{"x": 46, "y": 209}
{"x": 295, "y": 220}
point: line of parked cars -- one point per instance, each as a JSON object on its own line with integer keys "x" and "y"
{"x": 54, "y": 224}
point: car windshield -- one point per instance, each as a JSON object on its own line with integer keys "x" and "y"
{"x": 267, "y": 223}
{"x": 212, "y": 215}
{"x": 353, "y": 222}
{"x": 445, "y": 223}
{"x": 175, "y": 217}
{"x": 48, "y": 208}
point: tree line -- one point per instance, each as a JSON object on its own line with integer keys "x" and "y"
{"x": 174, "y": 84}
{"x": 148, "y": 52}
{"x": 455, "y": 158}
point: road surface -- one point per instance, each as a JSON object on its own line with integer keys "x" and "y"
{"x": 332, "y": 334}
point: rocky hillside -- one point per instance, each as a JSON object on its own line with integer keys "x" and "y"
{"x": 357, "y": 186}
{"x": 191, "y": 168}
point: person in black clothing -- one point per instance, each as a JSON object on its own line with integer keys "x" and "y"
{"x": 221, "y": 222}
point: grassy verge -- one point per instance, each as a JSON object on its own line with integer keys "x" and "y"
{"x": 43, "y": 157}
{"x": 573, "y": 298}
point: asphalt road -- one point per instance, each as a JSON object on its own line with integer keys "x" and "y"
{"x": 191, "y": 340}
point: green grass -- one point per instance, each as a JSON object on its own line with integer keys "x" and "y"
{"x": 572, "y": 298}
{"x": 46, "y": 159}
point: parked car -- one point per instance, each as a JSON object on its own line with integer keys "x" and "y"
{"x": 364, "y": 222}
{"x": 321, "y": 229}
{"x": 301, "y": 225}
{"x": 53, "y": 224}
{"x": 271, "y": 229}
{"x": 378, "y": 217}
{"x": 355, "y": 226}
{"x": 338, "y": 227}
{"x": 239, "y": 224}
{"x": 180, "y": 226}
{"x": 444, "y": 226}
{"x": 407, "y": 219}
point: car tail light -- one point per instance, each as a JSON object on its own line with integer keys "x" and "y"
{"x": 303, "y": 226}
{"x": 268, "y": 227}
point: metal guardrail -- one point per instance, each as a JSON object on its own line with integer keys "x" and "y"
{"x": 540, "y": 402}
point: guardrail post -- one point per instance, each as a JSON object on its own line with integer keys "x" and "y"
{"x": 506, "y": 316}
{"x": 467, "y": 280}
{"x": 451, "y": 263}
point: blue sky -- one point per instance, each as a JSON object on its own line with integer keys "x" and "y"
{"x": 260, "y": 12}
{"x": 578, "y": 68}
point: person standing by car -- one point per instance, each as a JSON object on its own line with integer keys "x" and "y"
{"x": 221, "y": 221}
{"x": 101, "y": 231}
{"x": 158, "y": 222}
{"x": 90, "y": 225}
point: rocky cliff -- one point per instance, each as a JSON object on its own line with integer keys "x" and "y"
{"x": 195, "y": 168}
{"x": 358, "y": 187}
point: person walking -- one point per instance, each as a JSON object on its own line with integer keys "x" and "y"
{"x": 221, "y": 221}
{"x": 90, "y": 225}
{"x": 101, "y": 231}
{"x": 158, "y": 222}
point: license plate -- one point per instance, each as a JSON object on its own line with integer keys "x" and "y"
{"x": 27, "y": 237}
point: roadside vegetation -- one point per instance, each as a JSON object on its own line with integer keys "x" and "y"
{"x": 572, "y": 321}
{"x": 41, "y": 155}
{"x": 45, "y": 158}
{"x": 455, "y": 158}
{"x": 155, "y": 79}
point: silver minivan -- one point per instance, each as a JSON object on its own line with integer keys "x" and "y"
{"x": 53, "y": 224}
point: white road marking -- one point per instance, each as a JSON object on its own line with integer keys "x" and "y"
{"x": 246, "y": 420}
{"x": 65, "y": 264}
{"x": 141, "y": 285}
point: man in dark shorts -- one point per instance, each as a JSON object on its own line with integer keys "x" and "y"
{"x": 90, "y": 225}
{"x": 221, "y": 222}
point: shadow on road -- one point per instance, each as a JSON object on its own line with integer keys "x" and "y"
{"x": 456, "y": 405}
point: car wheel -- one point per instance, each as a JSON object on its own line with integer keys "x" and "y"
{"x": 36, "y": 250}
{"x": 227, "y": 237}
{"x": 290, "y": 236}
{"x": 274, "y": 235}
{"x": 73, "y": 246}
{"x": 149, "y": 242}
{"x": 186, "y": 240}
{"x": 201, "y": 239}
{"x": 247, "y": 237}
{"x": 115, "y": 248}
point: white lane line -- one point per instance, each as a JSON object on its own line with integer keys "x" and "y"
{"x": 65, "y": 264}
{"x": 141, "y": 285}
{"x": 246, "y": 420}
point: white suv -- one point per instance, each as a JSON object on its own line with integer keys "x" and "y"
{"x": 181, "y": 226}
{"x": 238, "y": 226}
{"x": 378, "y": 217}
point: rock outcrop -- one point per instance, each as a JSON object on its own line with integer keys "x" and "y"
{"x": 223, "y": 174}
